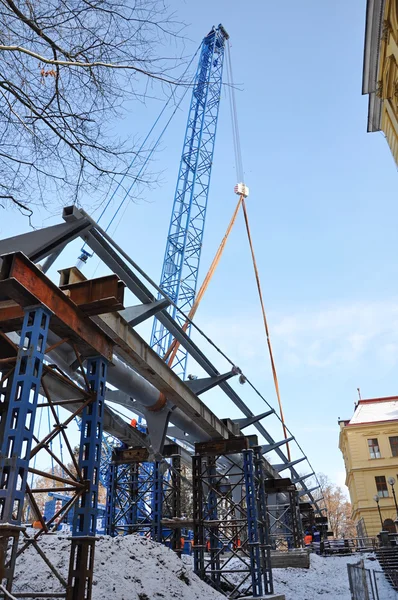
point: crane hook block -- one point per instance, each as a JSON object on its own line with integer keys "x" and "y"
{"x": 241, "y": 189}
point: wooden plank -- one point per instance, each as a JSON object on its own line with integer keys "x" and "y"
{"x": 222, "y": 447}
{"x": 124, "y": 456}
{"x": 277, "y": 486}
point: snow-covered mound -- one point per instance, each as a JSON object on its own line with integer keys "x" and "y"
{"x": 126, "y": 568}
{"x": 327, "y": 577}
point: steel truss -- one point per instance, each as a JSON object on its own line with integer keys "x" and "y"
{"x": 28, "y": 384}
{"x": 49, "y": 242}
{"x": 230, "y": 518}
{"x": 145, "y": 497}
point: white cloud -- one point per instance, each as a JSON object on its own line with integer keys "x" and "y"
{"x": 340, "y": 335}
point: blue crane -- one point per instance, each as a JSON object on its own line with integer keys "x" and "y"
{"x": 184, "y": 241}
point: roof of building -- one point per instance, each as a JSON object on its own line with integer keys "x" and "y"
{"x": 373, "y": 31}
{"x": 375, "y": 410}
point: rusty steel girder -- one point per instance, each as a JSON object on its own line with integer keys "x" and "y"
{"x": 22, "y": 282}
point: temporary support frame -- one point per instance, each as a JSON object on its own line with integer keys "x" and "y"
{"x": 283, "y": 515}
{"x": 140, "y": 498}
{"x": 25, "y": 375}
{"x": 229, "y": 507}
{"x": 18, "y": 411}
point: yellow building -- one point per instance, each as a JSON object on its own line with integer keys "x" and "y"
{"x": 380, "y": 69}
{"x": 369, "y": 444}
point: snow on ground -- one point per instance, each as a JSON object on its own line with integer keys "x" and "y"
{"x": 126, "y": 568}
{"x": 326, "y": 578}
{"x": 134, "y": 568}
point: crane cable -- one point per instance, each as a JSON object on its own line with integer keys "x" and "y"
{"x": 138, "y": 153}
{"x": 271, "y": 355}
{"x": 240, "y": 173}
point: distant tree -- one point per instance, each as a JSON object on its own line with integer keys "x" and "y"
{"x": 66, "y": 70}
{"x": 338, "y": 507}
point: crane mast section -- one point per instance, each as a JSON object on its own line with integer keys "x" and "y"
{"x": 184, "y": 241}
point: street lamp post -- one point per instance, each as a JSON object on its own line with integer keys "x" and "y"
{"x": 377, "y": 500}
{"x": 391, "y": 481}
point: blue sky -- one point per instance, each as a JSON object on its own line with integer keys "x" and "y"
{"x": 322, "y": 211}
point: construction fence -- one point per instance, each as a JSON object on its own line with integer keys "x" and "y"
{"x": 363, "y": 582}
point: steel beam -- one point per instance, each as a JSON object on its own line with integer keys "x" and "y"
{"x": 96, "y": 296}
{"x": 38, "y": 244}
{"x": 134, "y": 315}
{"x": 288, "y": 465}
{"x": 199, "y": 386}
{"x": 300, "y": 479}
{"x": 243, "y": 423}
{"x": 136, "y": 352}
{"x": 269, "y": 447}
{"x": 24, "y": 283}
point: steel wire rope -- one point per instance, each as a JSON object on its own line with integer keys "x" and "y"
{"x": 172, "y": 96}
{"x": 240, "y": 172}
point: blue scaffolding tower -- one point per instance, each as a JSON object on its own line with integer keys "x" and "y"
{"x": 184, "y": 241}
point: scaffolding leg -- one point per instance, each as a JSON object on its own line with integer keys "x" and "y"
{"x": 157, "y": 501}
{"x": 135, "y": 471}
{"x": 176, "y": 502}
{"x": 252, "y": 523}
{"x": 212, "y": 515}
{"x": 265, "y": 546}
{"x": 198, "y": 530}
{"x": 19, "y": 404}
{"x": 81, "y": 562}
{"x": 132, "y": 510}
{"x": 297, "y": 541}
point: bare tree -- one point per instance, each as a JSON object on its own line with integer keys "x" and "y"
{"x": 338, "y": 507}
{"x": 67, "y": 69}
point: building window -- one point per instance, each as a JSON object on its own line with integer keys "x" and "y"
{"x": 394, "y": 445}
{"x": 374, "y": 449}
{"x": 381, "y": 486}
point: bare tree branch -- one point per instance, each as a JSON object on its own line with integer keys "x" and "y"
{"x": 71, "y": 63}
{"x": 68, "y": 72}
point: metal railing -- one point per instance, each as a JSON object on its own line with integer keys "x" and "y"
{"x": 363, "y": 582}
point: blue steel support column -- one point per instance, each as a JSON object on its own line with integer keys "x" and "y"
{"x": 184, "y": 241}
{"x": 157, "y": 501}
{"x": 85, "y": 518}
{"x": 18, "y": 419}
{"x": 265, "y": 546}
{"x": 110, "y": 499}
{"x": 252, "y": 524}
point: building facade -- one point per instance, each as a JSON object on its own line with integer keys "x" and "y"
{"x": 380, "y": 69}
{"x": 369, "y": 444}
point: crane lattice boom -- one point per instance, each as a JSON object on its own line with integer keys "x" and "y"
{"x": 184, "y": 241}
